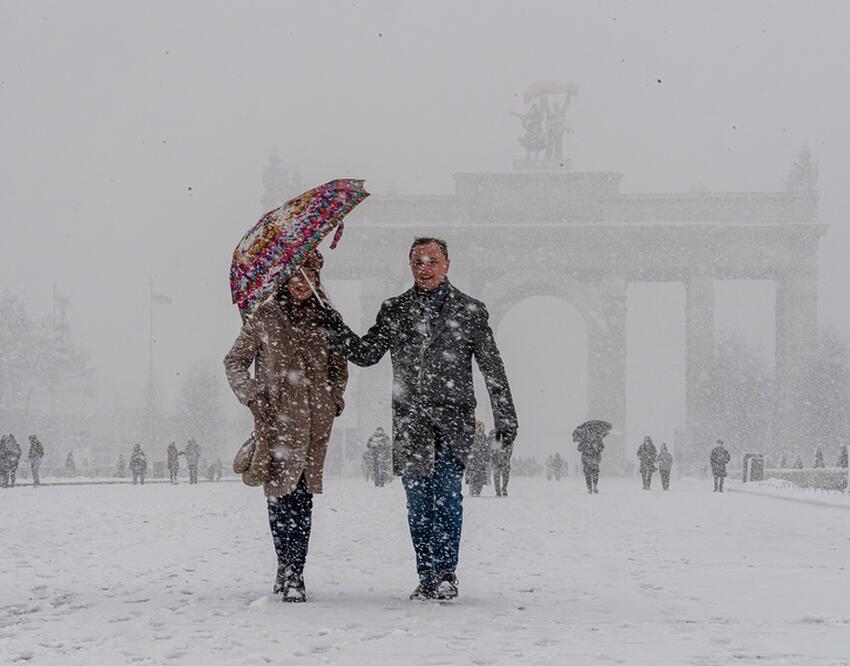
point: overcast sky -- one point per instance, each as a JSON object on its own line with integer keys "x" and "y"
{"x": 133, "y": 137}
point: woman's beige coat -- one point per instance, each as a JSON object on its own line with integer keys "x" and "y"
{"x": 301, "y": 380}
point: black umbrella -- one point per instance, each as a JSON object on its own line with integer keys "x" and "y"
{"x": 591, "y": 430}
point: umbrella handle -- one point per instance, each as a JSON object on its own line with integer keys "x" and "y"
{"x": 337, "y": 234}
{"x": 312, "y": 288}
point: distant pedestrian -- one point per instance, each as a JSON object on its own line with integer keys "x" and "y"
{"x": 501, "y": 455}
{"x": 380, "y": 457}
{"x": 4, "y": 461}
{"x": 665, "y": 464}
{"x": 366, "y": 464}
{"x": 138, "y": 464}
{"x": 36, "y": 453}
{"x": 555, "y": 467}
{"x": 647, "y": 454}
{"x": 193, "y": 458}
{"x": 173, "y": 461}
{"x": 719, "y": 458}
{"x": 13, "y": 452}
{"x": 214, "y": 470}
{"x": 70, "y": 464}
{"x": 589, "y": 436}
{"x": 121, "y": 466}
{"x": 478, "y": 462}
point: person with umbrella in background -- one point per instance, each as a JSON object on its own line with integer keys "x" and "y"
{"x": 433, "y": 331}
{"x": 647, "y": 454}
{"x": 297, "y": 388}
{"x": 589, "y": 437}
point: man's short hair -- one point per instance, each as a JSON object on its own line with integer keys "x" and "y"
{"x": 422, "y": 240}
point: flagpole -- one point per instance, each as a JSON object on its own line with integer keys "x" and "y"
{"x": 150, "y": 339}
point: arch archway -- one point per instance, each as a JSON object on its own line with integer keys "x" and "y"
{"x": 543, "y": 342}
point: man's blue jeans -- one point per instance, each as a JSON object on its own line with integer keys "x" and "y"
{"x": 435, "y": 515}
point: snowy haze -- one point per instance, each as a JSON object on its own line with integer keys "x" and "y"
{"x": 134, "y": 136}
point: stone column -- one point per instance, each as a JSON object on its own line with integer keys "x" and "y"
{"x": 606, "y": 359}
{"x": 796, "y": 336}
{"x": 699, "y": 358}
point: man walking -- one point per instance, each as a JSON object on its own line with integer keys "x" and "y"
{"x": 432, "y": 332}
{"x": 138, "y": 464}
{"x": 647, "y": 454}
{"x": 173, "y": 460}
{"x": 719, "y": 458}
{"x": 13, "y": 458}
{"x": 193, "y": 459}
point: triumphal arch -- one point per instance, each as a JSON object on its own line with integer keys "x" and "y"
{"x": 544, "y": 229}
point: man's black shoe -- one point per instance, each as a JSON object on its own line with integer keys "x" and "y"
{"x": 283, "y": 572}
{"x": 293, "y": 590}
{"x": 447, "y": 587}
{"x": 424, "y": 592}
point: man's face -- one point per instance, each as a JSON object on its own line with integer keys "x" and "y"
{"x": 429, "y": 266}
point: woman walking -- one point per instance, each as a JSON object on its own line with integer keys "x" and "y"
{"x": 295, "y": 394}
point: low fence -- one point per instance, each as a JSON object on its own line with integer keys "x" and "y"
{"x": 820, "y": 478}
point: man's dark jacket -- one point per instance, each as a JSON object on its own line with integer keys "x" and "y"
{"x": 432, "y": 373}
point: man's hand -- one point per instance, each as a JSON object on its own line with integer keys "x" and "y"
{"x": 329, "y": 318}
{"x": 506, "y": 436}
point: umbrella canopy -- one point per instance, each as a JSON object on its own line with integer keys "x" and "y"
{"x": 594, "y": 428}
{"x": 279, "y": 244}
{"x": 540, "y": 88}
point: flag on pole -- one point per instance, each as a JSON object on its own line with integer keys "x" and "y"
{"x": 59, "y": 299}
{"x": 161, "y": 299}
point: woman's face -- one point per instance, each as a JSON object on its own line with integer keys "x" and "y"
{"x": 298, "y": 288}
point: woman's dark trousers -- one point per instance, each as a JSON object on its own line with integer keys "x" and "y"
{"x": 290, "y": 519}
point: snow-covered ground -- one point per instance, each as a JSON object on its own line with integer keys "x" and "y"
{"x": 166, "y": 574}
{"x": 782, "y": 489}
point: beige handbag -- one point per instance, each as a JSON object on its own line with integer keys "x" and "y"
{"x": 252, "y": 461}
{"x": 242, "y": 461}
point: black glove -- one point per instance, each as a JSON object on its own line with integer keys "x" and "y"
{"x": 506, "y": 436}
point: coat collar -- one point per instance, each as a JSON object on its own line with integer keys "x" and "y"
{"x": 449, "y": 312}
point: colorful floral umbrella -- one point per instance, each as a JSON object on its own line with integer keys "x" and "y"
{"x": 279, "y": 244}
